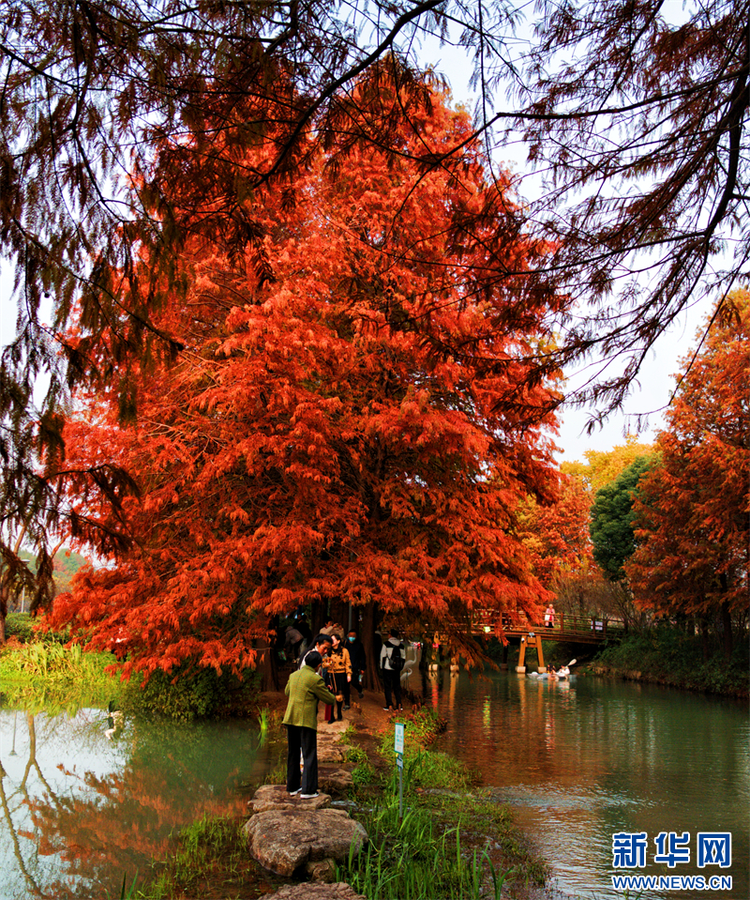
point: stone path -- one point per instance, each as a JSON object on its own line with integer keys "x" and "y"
{"x": 291, "y": 836}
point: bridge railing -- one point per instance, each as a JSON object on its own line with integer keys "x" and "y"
{"x": 565, "y": 623}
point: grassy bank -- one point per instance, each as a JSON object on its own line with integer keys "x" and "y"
{"x": 39, "y": 670}
{"x": 671, "y": 657}
{"x": 48, "y": 676}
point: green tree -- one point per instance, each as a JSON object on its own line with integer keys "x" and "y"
{"x": 612, "y": 519}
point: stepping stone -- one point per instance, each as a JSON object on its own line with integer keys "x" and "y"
{"x": 284, "y": 840}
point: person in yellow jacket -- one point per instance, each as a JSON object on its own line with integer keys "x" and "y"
{"x": 304, "y": 688}
{"x": 339, "y": 667}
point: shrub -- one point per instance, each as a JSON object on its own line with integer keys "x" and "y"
{"x": 20, "y": 626}
{"x": 187, "y": 694}
{"x": 668, "y": 655}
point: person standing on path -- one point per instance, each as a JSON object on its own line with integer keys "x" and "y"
{"x": 339, "y": 667}
{"x": 391, "y": 676}
{"x": 304, "y": 689}
{"x": 322, "y": 645}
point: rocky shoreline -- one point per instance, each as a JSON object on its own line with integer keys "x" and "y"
{"x": 307, "y": 838}
{"x": 312, "y": 839}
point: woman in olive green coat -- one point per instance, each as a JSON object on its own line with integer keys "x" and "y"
{"x": 304, "y": 688}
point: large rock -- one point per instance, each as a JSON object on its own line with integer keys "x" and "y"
{"x": 338, "y": 891}
{"x": 334, "y": 780}
{"x": 283, "y": 840}
{"x": 275, "y": 796}
{"x": 329, "y": 749}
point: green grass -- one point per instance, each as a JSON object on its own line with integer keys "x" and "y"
{"x": 52, "y": 677}
{"x": 210, "y": 850}
{"x": 445, "y": 846}
{"x": 425, "y": 768}
{"x": 481, "y": 816}
{"x": 451, "y": 843}
{"x": 211, "y": 860}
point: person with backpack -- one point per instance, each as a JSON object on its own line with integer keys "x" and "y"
{"x": 392, "y": 661}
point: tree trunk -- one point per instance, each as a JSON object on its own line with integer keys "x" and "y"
{"x": 317, "y": 614}
{"x": 268, "y": 668}
{"x": 372, "y": 646}
{"x": 339, "y": 614}
{"x": 726, "y": 623}
{"x": 705, "y": 640}
{"x": 4, "y": 592}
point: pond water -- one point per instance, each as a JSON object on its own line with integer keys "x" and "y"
{"x": 580, "y": 762}
{"x": 80, "y": 808}
{"x": 586, "y": 760}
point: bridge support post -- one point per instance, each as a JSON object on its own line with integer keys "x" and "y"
{"x": 521, "y": 668}
{"x": 531, "y": 640}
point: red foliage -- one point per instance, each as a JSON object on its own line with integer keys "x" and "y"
{"x": 557, "y": 533}
{"x": 350, "y": 419}
{"x": 692, "y": 510}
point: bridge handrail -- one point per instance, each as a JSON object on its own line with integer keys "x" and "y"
{"x": 570, "y": 623}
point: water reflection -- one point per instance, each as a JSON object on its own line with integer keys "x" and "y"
{"x": 585, "y": 760}
{"x": 81, "y": 808}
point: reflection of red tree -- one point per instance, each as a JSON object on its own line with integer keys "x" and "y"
{"x": 118, "y": 825}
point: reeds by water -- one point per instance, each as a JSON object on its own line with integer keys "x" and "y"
{"x": 52, "y": 677}
{"x": 418, "y": 858}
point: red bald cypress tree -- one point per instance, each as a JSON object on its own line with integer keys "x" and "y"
{"x": 351, "y": 418}
{"x": 692, "y": 510}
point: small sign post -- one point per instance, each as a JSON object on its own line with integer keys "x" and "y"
{"x": 398, "y": 746}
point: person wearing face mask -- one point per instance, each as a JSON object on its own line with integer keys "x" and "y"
{"x": 339, "y": 667}
{"x": 359, "y": 661}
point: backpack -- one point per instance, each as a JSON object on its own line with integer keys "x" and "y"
{"x": 396, "y": 659}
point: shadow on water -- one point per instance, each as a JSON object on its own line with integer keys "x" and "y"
{"x": 86, "y": 799}
{"x": 584, "y": 760}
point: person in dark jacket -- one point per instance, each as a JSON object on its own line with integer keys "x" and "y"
{"x": 391, "y": 678}
{"x": 304, "y": 688}
{"x": 304, "y": 629}
{"x": 359, "y": 661}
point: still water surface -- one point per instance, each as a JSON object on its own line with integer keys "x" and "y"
{"x": 580, "y": 762}
{"x": 586, "y": 760}
{"x": 80, "y": 809}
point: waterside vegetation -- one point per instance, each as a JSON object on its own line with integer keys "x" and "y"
{"x": 38, "y": 669}
{"x": 668, "y": 655}
{"x": 452, "y": 840}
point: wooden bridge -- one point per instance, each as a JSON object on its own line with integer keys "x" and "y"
{"x": 572, "y": 629}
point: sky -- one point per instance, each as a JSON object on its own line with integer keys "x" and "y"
{"x": 651, "y": 393}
